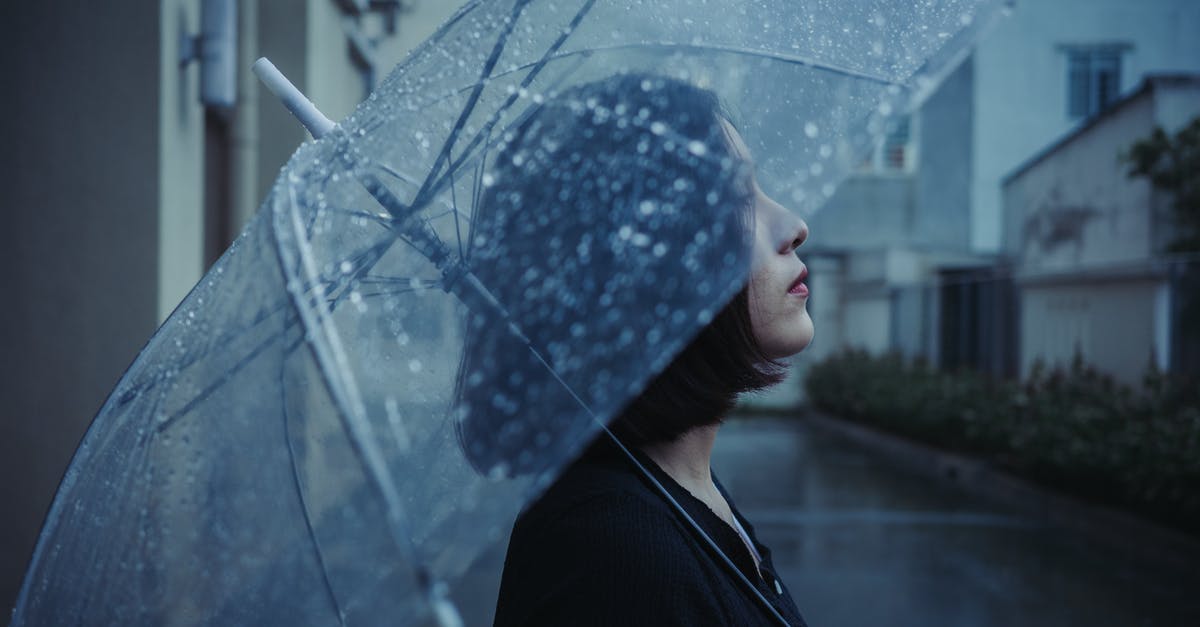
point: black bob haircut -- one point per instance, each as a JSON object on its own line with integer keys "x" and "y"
{"x": 578, "y": 150}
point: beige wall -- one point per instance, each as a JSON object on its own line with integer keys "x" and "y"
{"x": 867, "y": 315}
{"x": 103, "y": 189}
{"x": 1077, "y": 207}
{"x": 1112, "y": 325}
{"x": 1085, "y": 238}
{"x": 180, "y": 149}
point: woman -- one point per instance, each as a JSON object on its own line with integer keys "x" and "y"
{"x": 603, "y": 546}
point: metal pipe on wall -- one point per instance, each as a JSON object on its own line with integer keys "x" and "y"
{"x": 243, "y": 166}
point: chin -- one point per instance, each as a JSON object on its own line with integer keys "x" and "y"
{"x": 804, "y": 337}
{"x": 792, "y": 340}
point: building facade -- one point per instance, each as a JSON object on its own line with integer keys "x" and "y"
{"x": 121, "y": 187}
{"x": 912, "y": 243}
{"x": 1090, "y": 245}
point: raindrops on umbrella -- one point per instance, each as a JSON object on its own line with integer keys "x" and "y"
{"x": 446, "y": 296}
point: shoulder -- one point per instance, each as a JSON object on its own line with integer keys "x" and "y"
{"x": 601, "y": 513}
{"x": 601, "y": 544}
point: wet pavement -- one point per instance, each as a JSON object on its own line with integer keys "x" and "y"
{"x": 863, "y": 540}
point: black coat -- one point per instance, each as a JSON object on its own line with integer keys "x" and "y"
{"x": 601, "y": 547}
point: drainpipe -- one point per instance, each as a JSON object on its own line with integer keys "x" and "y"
{"x": 244, "y": 135}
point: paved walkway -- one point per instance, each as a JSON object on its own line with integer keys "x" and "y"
{"x": 864, "y": 540}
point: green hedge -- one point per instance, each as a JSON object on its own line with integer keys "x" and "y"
{"x": 1073, "y": 429}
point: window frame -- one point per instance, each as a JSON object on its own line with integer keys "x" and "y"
{"x": 1093, "y": 77}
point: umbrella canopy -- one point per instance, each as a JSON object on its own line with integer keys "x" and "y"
{"x": 413, "y": 336}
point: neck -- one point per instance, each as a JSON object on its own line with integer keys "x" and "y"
{"x": 686, "y": 460}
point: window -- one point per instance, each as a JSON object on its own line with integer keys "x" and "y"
{"x": 1093, "y": 79}
{"x": 897, "y": 152}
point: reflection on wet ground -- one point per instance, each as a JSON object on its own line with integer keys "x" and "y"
{"x": 862, "y": 540}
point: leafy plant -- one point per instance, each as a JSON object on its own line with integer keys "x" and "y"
{"x": 1072, "y": 428}
{"x": 1172, "y": 164}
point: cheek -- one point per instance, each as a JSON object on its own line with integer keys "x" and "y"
{"x": 759, "y": 311}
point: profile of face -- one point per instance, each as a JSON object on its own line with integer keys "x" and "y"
{"x": 777, "y": 293}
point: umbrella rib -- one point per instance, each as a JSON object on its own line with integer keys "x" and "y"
{"x": 400, "y": 176}
{"x": 667, "y": 45}
{"x": 535, "y": 69}
{"x": 429, "y": 244}
{"x": 264, "y": 315}
{"x": 476, "y": 196}
{"x": 132, "y": 393}
{"x": 308, "y": 526}
{"x": 454, "y": 208}
{"x": 358, "y": 213}
{"x": 166, "y": 423}
{"x": 468, "y": 155}
{"x": 469, "y": 107}
{"x": 433, "y": 183}
{"x": 385, "y": 286}
{"x": 362, "y": 261}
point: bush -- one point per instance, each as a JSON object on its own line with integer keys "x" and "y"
{"x": 1074, "y": 429}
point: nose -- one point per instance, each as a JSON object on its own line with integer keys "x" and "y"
{"x": 795, "y": 234}
{"x": 790, "y": 229}
{"x": 787, "y": 231}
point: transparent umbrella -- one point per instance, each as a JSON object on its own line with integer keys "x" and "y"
{"x": 363, "y": 392}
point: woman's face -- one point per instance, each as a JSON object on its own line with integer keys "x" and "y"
{"x": 778, "y": 295}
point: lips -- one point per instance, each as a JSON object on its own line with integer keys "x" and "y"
{"x": 798, "y": 288}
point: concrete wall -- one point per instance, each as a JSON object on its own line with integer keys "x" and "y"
{"x": 1020, "y": 80}
{"x": 81, "y": 244}
{"x": 1177, "y": 104}
{"x": 1076, "y": 207}
{"x": 874, "y": 282}
{"x": 1085, "y": 238}
{"x": 1111, "y": 324}
{"x": 866, "y": 211}
{"x": 942, "y": 193}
